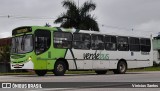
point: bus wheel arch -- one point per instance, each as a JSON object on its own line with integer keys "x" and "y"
{"x": 121, "y": 67}
{"x": 60, "y": 67}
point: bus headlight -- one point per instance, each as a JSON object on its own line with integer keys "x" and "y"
{"x": 29, "y": 59}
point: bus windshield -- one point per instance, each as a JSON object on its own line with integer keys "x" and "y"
{"x": 22, "y": 44}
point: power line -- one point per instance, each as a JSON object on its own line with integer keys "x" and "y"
{"x": 48, "y": 18}
{"x": 116, "y": 27}
{"x": 132, "y": 30}
{"x": 25, "y": 17}
{"x": 124, "y": 28}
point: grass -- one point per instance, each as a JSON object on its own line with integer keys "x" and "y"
{"x": 31, "y": 73}
{"x": 20, "y": 73}
{"x": 86, "y": 72}
{"x": 145, "y": 69}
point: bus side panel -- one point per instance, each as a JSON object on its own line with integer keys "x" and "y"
{"x": 88, "y": 59}
{"x": 113, "y": 64}
{"x": 116, "y": 56}
{"x": 71, "y": 64}
{"x": 41, "y": 61}
{"x": 82, "y": 59}
{"x": 131, "y": 64}
{"x": 102, "y": 62}
{"x": 78, "y": 61}
{"x": 55, "y": 54}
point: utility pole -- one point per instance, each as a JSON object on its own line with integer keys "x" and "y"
{"x": 78, "y": 4}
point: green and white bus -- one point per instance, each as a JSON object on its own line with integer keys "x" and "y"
{"x": 56, "y": 49}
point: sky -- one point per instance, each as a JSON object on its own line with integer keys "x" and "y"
{"x": 139, "y": 17}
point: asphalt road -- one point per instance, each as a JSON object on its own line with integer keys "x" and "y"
{"x": 128, "y": 77}
{"x": 93, "y": 82}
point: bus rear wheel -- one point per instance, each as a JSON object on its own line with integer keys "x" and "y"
{"x": 60, "y": 68}
{"x": 121, "y": 68}
{"x": 101, "y": 71}
{"x": 40, "y": 72}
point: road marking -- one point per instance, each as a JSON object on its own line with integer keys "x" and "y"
{"x": 53, "y": 89}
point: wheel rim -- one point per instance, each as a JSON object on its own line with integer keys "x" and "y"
{"x": 122, "y": 67}
{"x": 60, "y": 67}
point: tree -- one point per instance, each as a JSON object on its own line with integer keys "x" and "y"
{"x": 78, "y": 17}
{"x": 4, "y": 59}
{"x": 5, "y": 54}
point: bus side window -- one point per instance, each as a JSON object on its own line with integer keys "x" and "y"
{"x": 123, "y": 44}
{"x": 42, "y": 41}
{"x": 134, "y": 44}
{"x": 145, "y": 45}
{"x": 81, "y": 41}
{"x": 110, "y": 42}
{"x": 97, "y": 42}
{"x": 62, "y": 40}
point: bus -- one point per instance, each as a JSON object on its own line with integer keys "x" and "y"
{"x": 156, "y": 49}
{"x": 57, "y": 49}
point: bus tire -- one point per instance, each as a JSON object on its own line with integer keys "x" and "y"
{"x": 60, "y": 68}
{"x": 101, "y": 71}
{"x": 121, "y": 68}
{"x": 40, "y": 72}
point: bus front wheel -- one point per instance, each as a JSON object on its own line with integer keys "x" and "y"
{"x": 60, "y": 68}
{"x": 101, "y": 71}
{"x": 40, "y": 72}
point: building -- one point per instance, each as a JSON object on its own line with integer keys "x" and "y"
{"x": 5, "y": 44}
{"x": 156, "y": 49}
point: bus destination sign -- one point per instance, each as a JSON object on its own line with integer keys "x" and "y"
{"x": 21, "y": 30}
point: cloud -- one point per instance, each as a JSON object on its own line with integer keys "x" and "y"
{"x": 150, "y": 27}
{"x": 137, "y": 14}
{"x": 128, "y": 13}
{"x": 5, "y": 34}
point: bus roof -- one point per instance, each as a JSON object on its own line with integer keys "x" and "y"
{"x": 103, "y": 32}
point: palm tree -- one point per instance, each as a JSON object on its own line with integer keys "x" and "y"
{"x": 78, "y": 17}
